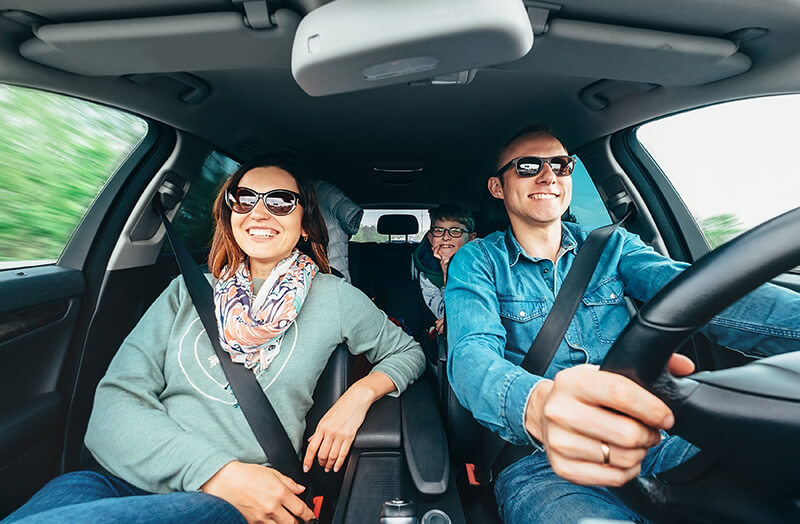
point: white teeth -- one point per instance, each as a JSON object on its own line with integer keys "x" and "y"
{"x": 543, "y": 196}
{"x": 262, "y": 233}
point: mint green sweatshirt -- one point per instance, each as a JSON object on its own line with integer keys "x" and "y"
{"x": 163, "y": 418}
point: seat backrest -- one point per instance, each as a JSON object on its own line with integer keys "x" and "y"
{"x": 383, "y": 273}
{"x": 463, "y": 431}
{"x": 331, "y": 385}
{"x": 493, "y": 217}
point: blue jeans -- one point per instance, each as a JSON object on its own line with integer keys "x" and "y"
{"x": 529, "y": 491}
{"x": 86, "y": 496}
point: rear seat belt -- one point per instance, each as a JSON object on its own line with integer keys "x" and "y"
{"x": 254, "y": 403}
{"x": 495, "y": 454}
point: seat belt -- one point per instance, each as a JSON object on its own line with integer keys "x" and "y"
{"x": 254, "y": 403}
{"x": 495, "y": 453}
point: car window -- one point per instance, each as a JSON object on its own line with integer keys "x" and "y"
{"x": 368, "y": 232}
{"x": 194, "y": 221}
{"x": 731, "y": 163}
{"x": 587, "y": 207}
{"x": 56, "y": 154}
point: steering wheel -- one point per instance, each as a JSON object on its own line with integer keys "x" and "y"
{"x": 746, "y": 420}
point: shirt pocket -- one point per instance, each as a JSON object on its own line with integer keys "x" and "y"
{"x": 607, "y": 309}
{"x": 521, "y": 310}
{"x": 522, "y": 319}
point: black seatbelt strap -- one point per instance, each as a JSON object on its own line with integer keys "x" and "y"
{"x": 546, "y": 343}
{"x": 495, "y": 453}
{"x": 253, "y": 402}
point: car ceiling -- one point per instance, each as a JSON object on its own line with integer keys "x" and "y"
{"x": 451, "y": 131}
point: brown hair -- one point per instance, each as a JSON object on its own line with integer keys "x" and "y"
{"x": 226, "y": 253}
{"x": 453, "y": 211}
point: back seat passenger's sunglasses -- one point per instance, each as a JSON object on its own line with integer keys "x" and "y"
{"x": 279, "y": 202}
{"x": 528, "y": 166}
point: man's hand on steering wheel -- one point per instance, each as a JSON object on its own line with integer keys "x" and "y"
{"x": 597, "y": 427}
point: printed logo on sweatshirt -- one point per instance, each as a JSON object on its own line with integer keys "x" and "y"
{"x": 200, "y": 365}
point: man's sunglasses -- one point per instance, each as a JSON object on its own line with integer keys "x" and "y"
{"x": 528, "y": 166}
{"x": 454, "y": 232}
{"x": 279, "y": 202}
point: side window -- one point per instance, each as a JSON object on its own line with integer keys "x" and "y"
{"x": 56, "y": 153}
{"x": 195, "y": 222}
{"x": 731, "y": 163}
{"x": 587, "y": 207}
{"x": 369, "y": 225}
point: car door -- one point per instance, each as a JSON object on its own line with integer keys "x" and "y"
{"x": 65, "y": 165}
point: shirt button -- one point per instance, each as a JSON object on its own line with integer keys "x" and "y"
{"x": 522, "y": 313}
{"x": 546, "y": 270}
{"x": 613, "y": 295}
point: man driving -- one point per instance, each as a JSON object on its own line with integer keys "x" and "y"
{"x": 584, "y": 428}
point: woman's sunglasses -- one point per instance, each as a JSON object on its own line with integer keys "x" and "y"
{"x": 279, "y": 202}
{"x": 528, "y": 166}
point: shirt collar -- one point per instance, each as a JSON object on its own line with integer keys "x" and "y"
{"x": 568, "y": 243}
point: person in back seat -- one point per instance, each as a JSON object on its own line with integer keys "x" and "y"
{"x": 342, "y": 218}
{"x": 452, "y": 226}
{"x": 165, "y": 423}
{"x": 583, "y": 428}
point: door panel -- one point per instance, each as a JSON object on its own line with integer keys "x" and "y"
{"x": 39, "y": 312}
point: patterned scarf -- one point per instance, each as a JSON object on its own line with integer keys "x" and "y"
{"x": 251, "y": 328}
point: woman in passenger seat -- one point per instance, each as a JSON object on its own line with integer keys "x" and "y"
{"x": 452, "y": 226}
{"x": 164, "y": 422}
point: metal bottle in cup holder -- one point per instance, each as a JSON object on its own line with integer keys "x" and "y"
{"x": 398, "y": 511}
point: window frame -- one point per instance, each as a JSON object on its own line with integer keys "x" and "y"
{"x": 682, "y": 233}
{"x": 78, "y": 244}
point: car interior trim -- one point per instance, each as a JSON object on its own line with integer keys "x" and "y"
{"x": 162, "y": 44}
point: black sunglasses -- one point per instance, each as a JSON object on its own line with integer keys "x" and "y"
{"x": 454, "y": 232}
{"x": 528, "y": 166}
{"x": 279, "y": 202}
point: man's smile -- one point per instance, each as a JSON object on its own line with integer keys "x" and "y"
{"x": 543, "y": 196}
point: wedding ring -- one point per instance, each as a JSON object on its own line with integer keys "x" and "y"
{"x": 606, "y": 453}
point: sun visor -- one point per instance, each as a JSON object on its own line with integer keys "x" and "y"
{"x": 593, "y": 50}
{"x": 350, "y": 45}
{"x": 197, "y": 42}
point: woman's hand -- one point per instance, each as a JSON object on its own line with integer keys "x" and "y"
{"x": 335, "y": 433}
{"x": 261, "y": 494}
{"x": 439, "y": 325}
{"x": 584, "y": 409}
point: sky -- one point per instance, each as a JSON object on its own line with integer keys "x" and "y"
{"x": 740, "y": 157}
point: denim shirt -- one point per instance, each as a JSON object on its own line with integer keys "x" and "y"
{"x": 497, "y": 299}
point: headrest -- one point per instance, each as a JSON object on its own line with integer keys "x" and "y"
{"x": 492, "y": 216}
{"x": 398, "y": 225}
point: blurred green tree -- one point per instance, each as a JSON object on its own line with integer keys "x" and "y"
{"x": 56, "y": 154}
{"x": 369, "y": 233}
{"x": 718, "y": 229}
